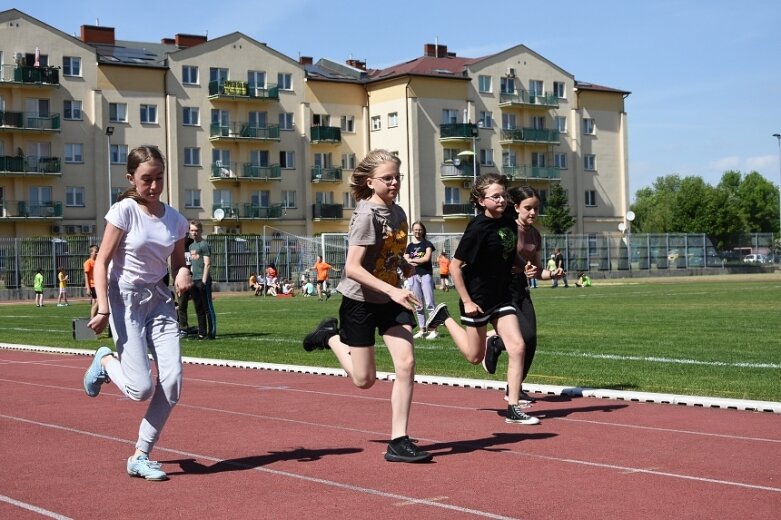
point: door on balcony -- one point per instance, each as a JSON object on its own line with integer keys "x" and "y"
{"x": 221, "y": 120}
{"x": 36, "y": 151}
{"x": 222, "y": 163}
{"x": 2, "y": 202}
{"x": 40, "y": 203}
{"x": 322, "y": 164}
{"x": 256, "y": 80}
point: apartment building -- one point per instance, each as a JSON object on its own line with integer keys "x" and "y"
{"x": 256, "y": 140}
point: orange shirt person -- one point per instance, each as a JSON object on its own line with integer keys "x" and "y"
{"x": 89, "y": 279}
{"x": 444, "y": 271}
{"x": 322, "y": 269}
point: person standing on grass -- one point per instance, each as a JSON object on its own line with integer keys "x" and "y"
{"x": 373, "y": 298}
{"x": 89, "y": 279}
{"x": 559, "y": 259}
{"x": 481, "y": 269}
{"x": 38, "y": 288}
{"x": 419, "y": 253}
{"x": 321, "y": 268}
{"x": 201, "y": 291}
{"x": 141, "y": 234}
{"x": 62, "y": 280}
{"x": 444, "y": 271}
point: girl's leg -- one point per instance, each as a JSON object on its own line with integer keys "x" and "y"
{"x": 358, "y": 362}
{"x": 469, "y": 340}
{"x": 399, "y": 342}
{"x": 417, "y": 290}
{"x": 507, "y": 327}
{"x": 427, "y": 288}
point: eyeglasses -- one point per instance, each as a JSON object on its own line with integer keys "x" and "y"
{"x": 497, "y": 198}
{"x": 388, "y": 179}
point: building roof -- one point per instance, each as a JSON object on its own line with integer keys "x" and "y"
{"x": 142, "y": 54}
{"x": 582, "y": 85}
{"x": 446, "y": 66}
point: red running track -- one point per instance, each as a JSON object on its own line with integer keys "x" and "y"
{"x": 265, "y": 444}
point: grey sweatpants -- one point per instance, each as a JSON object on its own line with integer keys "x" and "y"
{"x": 423, "y": 289}
{"x": 143, "y": 319}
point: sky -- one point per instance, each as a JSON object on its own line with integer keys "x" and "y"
{"x": 704, "y": 75}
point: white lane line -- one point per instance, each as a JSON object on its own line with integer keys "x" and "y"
{"x": 34, "y": 509}
{"x": 332, "y": 483}
{"x": 654, "y": 359}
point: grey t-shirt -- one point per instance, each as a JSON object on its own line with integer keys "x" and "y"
{"x": 383, "y": 230}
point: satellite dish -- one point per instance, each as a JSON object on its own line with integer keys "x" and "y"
{"x": 630, "y": 216}
{"x": 219, "y": 214}
{"x": 621, "y": 227}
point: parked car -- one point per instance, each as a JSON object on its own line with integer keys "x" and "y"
{"x": 755, "y": 259}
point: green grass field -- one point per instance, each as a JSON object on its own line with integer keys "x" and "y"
{"x": 710, "y": 336}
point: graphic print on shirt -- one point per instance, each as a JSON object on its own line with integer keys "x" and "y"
{"x": 391, "y": 256}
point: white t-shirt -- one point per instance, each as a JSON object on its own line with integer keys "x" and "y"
{"x": 142, "y": 254}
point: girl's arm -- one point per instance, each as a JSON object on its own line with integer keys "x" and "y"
{"x": 108, "y": 247}
{"x": 183, "y": 279}
{"x": 470, "y": 307}
{"x": 354, "y": 270}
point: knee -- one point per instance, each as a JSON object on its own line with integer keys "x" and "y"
{"x": 405, "y": 368}
{"x": 364, "y": 382}
{"x": 140, "y": 390}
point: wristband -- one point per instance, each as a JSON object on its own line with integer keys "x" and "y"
{"x": 103, "y": 313}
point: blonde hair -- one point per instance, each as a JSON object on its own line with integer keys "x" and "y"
{"x": 365, "y": 169}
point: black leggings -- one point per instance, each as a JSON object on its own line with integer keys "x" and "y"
{"x": 527, "y": 320}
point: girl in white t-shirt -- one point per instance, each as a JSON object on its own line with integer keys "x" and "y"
{"x": 142, "y": 233}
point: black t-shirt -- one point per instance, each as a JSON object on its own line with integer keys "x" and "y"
{"x": 419, "y": 251}
{"x": 488, "y": 250}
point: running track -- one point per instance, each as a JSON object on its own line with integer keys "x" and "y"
{"x": 272, "y": 444}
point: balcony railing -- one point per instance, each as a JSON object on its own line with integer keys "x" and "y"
{"x": 527, "y": 172}
{"x": 268, "y": 173}
{"x": 30, "y": 165}
{"x": 242, "y": 89}
{"x": 23, "y": 74}
{"x": 327, "y": 211}
{"x": 228, "y": 210}
{"x": 546, "y": 100}
{"x": 243, "y": 130}
{"x": 530, "y": 135}
{"x": 28, "y": 121}
{"x": 29, "y": 209}
{"x": 326, "y": 134}
{"x": 458, "y": 209}
{"x": 457, "y": 131}
{"x": 320, "y": 174}
{"x": 274, "y": 211}
{"x": 461, "y": 171}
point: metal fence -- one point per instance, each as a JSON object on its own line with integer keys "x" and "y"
{"x": 234, "y": 257}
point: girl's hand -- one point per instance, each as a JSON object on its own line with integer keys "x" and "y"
{"x": 405, "y": 298}
{"x": 183, "y": 281}
{"x": 98, "y": 323}
{"x": 472, "y": 309}
{"x": 530, "y": 270}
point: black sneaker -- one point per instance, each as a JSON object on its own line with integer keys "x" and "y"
{"x": 493, "y": 348}
{"x": 515, "y": 415}
{"x": 437, "y": 317}
{"x": 404, "y": 450}
{"x": 318, "y": 339}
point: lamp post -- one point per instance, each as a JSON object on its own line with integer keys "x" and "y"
{"x": 109, "y": 133}
{"x": 778, "y": 138}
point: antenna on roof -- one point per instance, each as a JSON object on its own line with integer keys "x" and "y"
{"x": 97, "y": 22}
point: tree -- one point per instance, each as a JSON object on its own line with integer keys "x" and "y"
{"x": 557, "y": 216}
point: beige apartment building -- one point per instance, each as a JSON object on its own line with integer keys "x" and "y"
{"x": 256, "y": 140}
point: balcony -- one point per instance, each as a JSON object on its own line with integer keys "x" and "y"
{"x": 229, "y": 211}
{"x": 247, "y": 172}
{"x": 326, "y": 134}
{"x": 242, "y": 91}
{"x": 22, "y": 166}
{"x": 320, "y": 174}
{"x": 13, "y": 121}
{"x": 23, "y": 75}
{"x": 275, "y": 211}
{"x": 529, "y": 100}
{"x": 457, "y": 131}
{"x": 43, "y": 210}
{"x": 457, "y": 210}
{"x": 529, "y": 135}
{"x": 326, "y": 211}
{"x": 451, "y": 171}
{"x": 530, "y": 173}
{"x": 242, "y": 131}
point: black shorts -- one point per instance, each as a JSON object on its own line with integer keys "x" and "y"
{"x": 482, "y": 320}
{"x": 359, "y": 320}
{"x": 92, "y": 293}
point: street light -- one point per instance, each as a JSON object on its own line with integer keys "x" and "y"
{"x": 109, "y": 133}
{"x": 778, "y": 138}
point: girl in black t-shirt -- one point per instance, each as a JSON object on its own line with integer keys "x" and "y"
{"x": 481, "y": 269}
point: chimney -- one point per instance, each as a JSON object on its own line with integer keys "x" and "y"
{"x": 435, "y": 50}
{"x": 96, "y": 34}
{"x": 356, "y": 64}
{"x": 168, "y": 41}
{"x": 305, "y": 60}
{"x": 185, "y": 41}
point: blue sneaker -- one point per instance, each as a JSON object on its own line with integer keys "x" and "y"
{"x": 96, "y": 375}
{"x": 144, "y": 468}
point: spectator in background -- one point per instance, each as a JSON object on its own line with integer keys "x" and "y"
{"x": 62, "y": 280}
{"x": 419, "y": 253}
{"x": 201, "y": 291}
{"x": 183, "y": 299}
{"x": 551, "y": 266}
{"x": 38, "y": 288}
{"x": 444, "y": 271}
{"x": 253, "y": 283}
{"x": 89, "y": 279}
{"x": 321, "y": 268}
{"x": 584, "y": 280}
{"x": 559, "y": 258}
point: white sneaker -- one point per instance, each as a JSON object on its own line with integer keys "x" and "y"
{"x": 419, "y": 334}
{"x": 432, "y": 335}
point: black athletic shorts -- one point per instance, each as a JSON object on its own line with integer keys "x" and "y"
{"x": 358, "y": 321}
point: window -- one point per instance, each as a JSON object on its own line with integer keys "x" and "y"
{"x": 486, "y": 156}
{"x": 74, "y": 196}
{"x": 117, "y": 112}
{"x": 222, "y": 160}
{"x": 348, "y": 124}
{"x": 192, "y": 198}
{"x": 538, "y": 122}
{"x": 486, "y": 119}
{"x": 376, "y": 123}
{"x": 590, "y": 162}
{"x": 256, "y": 79}
{"x": 324, "y": 197}
{"x": 260, "y": 198}
{"x": 258, "y": 119}
{"x": 509, "y": 122}
{"x": 558, "y": 90}
{"x": 259, "y": 158}
{"x": 149, "y": 114}
{"x": 287, "y": 160}
{"x": 507, "y": 85}
{"x": 536, "y": 87}
{"x": 452, "y": 195}
{"x": 348, "y": 201}
{"x": 74, "y": 152}
{"x": 71, "y": 110}
{"x": 509, "y": 159}
{"x": 591, "y": 198}
{"x": 189, "y": 75}
{"x": 321, "y": 120}
{"x": 219, "y": 75}
{"x": 560, "y": 161}
{"x": 71, "y": 66}
{"x": 588, "y": 126}
{"x": 538, "y": 160}
{"x": 115, "y": 193}
{"x": 286, "y": 121}
{"x": 191, "y": 116}
{"x": 450, "y": 154}
{"x": 289, "y": 199}
{"x": 221, "y": 198}
{"x": 37, "y": 107}
{"x": 285, "y": 81}
{"x": 484, "y": 84}
{"x": 449, "y": 116}
{"x": 220, "y": 121}
{"x": 561, "y": 124}
{"x": 393, "y": 119}
{"x": 118, "y": 154}
{"x": 349, "y": 161}
{"x": 192, "y": 156}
